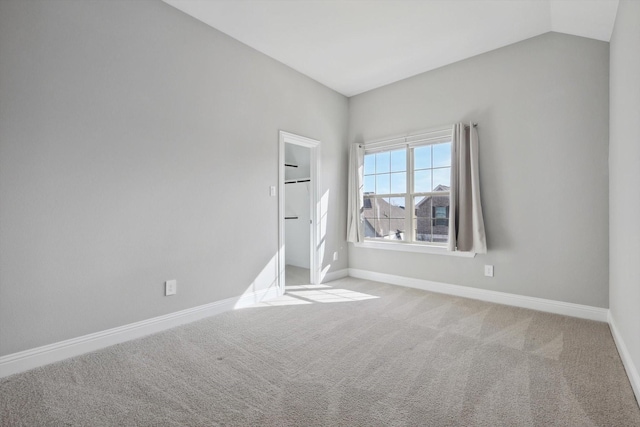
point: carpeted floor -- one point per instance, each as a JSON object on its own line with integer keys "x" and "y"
{"x": 294, "y": 275}
{"x": 350, "y": 353}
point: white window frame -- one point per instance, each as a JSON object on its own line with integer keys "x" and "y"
{"x": 409, "y": 143}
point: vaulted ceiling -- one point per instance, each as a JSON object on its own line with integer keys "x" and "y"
{"x": 355, "y": 46}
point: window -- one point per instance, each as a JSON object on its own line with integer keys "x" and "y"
{"x": 406, "y": 191}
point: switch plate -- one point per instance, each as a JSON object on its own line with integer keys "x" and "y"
{"x": 488, "y": 270}
{"x": 272, "y": 190}
{"x": 335, "y": 256}
{"x": 170, "y": 287}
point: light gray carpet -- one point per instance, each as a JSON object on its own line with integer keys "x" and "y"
{"x": 294, "y": 275}
{"x": 357, "y": 353}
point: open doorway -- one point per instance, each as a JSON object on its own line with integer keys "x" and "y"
{"x": 297, "y": 214}
{"x": 298, "y": 202}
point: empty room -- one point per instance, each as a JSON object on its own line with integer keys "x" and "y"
{"x": 319, "y": 213}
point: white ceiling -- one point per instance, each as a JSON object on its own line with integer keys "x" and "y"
{"x": 355, "y": 46}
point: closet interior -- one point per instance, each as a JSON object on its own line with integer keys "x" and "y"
{"x": 297, "y": 204}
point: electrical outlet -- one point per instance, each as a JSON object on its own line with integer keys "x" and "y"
{"x": 488, "y": 270}
{"x": 170, "y": 287}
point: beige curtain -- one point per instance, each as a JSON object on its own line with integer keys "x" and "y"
{"x": 354, "y": 202}
{"x": 466, "y": 224}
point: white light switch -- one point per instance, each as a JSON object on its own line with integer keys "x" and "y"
{"x": 170, "y": 287}
{"x": 272, "y": 190}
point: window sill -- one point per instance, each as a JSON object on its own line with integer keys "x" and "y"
{"x": 412, "y": 247}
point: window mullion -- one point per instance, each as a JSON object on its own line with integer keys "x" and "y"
{"x": 408, "y": 201}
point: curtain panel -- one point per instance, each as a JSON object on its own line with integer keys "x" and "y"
{"x": 355, "y": 233}
{"x": 466, "y": 224}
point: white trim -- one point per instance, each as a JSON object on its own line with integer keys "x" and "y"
{"x": 627, "y": 361}
{"x": 413, "y": 247}
{"x": 532, "y": 303}
{"x": 40, "y": 356}
{"x": 431, "y": 136}
{"x": 410, "y": 143}
{"x": 335, "y": 275}
{"x": 314, "y": 252}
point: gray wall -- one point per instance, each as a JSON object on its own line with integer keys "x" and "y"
{"x": 138, "y": 145}
{"x": 624, "y": 164}
{"x": 542, "y": 108}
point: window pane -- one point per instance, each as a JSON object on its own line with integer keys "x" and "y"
{"x": 422, "y": 207}
{"x": 369, "y": 230}
{"x": 398, "y": 201}
{"x": 369, "y": 184}
{"x": 440, "y": 219}
{"x": 399, "y": 182}
{"x": 390, "y": 223}
{"x": 383, "y": 185}
{"x": 376, "y": 225}
{"x": 441, "y": 179}
{"x": 382, "y": 228}
{"x": 369, "y": 164}
{"x": 368, "y": 216}
{"x": 399, "y": 160}
{"x": 367, "y": 204}
{"x": 396, "y": 229}
{"x": 382, "y": 207}
{"x": 442, "y": 155}
{"x": 382, "y": 162}
{"x": 422, "y": 157}
{"x": 422, "y": 230}
{"x": 422, "y": 181}
{"x": 422, "y": 224}
{"x": 383, "y": 218}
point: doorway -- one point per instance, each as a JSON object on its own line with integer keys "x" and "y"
{"x": 298, "y": 211}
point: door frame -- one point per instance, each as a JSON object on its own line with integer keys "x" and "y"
{"x": 314, "y": 200}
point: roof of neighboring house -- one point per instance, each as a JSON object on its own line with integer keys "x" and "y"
{"x": 426, "y": 199}
{"x": 376, "y": 207}
{"x": 379, "y": 208}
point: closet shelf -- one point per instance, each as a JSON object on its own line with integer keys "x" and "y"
{"x": 293, "y": 181}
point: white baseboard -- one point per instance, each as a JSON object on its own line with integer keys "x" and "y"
{"x": 540, "y": 304}
{"x": 40, "y": 356}
{"x": 627, "y": 361}
{"x": 335, "y": 275}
